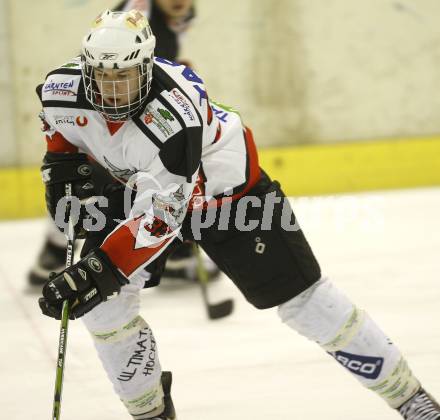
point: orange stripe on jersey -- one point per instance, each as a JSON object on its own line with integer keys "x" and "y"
{"x": 58, "y": 144}
{"x": 254, "y": 175}
{"x": 254, "y": 168}
{"x": 120, "y": 247}
{"x": 209, "y": 117}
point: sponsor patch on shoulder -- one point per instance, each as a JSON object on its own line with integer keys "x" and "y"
{"x": 160, "y": 120}
{"x": 183, "y": 106}
{"x": 61, "y": 87}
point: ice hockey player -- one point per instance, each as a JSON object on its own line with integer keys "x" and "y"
{"x": 169, "y": 20}
{"x": 187, "y": 164}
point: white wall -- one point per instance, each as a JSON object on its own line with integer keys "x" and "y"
{"x": 299, "y": 71}
{"x": 372, "y": 68}
{"x": 44, "y": 34}
{"x": 324, "y": 70}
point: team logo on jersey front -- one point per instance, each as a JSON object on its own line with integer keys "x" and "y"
{"x": 161, "y": 121}
{"x": 63, "y": 87}
{"x": 121, "y": 174}
{"x": 183, "y": 106}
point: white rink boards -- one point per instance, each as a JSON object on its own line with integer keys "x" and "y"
{"x": 382, "y": 249}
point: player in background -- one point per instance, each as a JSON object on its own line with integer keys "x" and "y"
{"x": 188, "y": 169}
{"x": 169, "y": 20}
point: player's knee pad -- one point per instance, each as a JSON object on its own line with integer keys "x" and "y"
{"x": 119, "y": 333}
{"x": 325, "y": 315}
{"x": 318, "y": 313}
{"x": 130, "y": 358}
{"x": 127, "y": 348}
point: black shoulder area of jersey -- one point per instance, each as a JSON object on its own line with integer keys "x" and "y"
{"x": 80, "y": 101}
{"x": 39, "y": 89}
{"x": 180, "y": 154}
{"x": 64, "y": 70}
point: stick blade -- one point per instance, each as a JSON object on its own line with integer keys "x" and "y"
{"x": 221, "y": 309}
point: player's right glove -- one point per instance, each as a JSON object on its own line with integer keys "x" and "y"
{"x": 61, "y": 168}
{"x": 92, "y": 280}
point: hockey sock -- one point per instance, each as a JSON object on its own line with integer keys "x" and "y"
{"x": 325, "y": 315}
{"x": 128, "y": 351}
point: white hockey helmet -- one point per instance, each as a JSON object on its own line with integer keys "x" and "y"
{"x": 118, "y": 41}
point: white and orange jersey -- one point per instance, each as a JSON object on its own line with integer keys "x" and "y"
{"x": 182, "y": 147}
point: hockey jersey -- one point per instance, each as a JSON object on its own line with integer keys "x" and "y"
{"x": 182, "y": 153}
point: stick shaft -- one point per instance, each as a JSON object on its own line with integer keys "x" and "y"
{"x": 62, "y": 343}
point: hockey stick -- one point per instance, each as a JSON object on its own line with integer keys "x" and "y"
{"x": 214, "y": 310}
{"x": 62, "y": 346}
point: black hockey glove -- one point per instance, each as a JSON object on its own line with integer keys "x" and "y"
{"x": 61, "y": 168}
{"x": 92, "y": 280}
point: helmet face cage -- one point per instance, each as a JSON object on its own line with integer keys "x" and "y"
{"x": 130, "y": 92}
{"x": 117, "y": 63}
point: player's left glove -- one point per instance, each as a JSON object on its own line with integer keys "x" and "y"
{"x": 92, "y": 280}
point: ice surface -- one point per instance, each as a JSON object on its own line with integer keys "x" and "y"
{"x": 382, "y": 249}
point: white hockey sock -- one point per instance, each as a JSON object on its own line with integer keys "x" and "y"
{"x": 325, "y": 315}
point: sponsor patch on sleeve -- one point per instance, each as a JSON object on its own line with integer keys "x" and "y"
{"x": 183, "y": 106}
{"x": 61, "y": 87}
{"x": 160, "y": 120}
